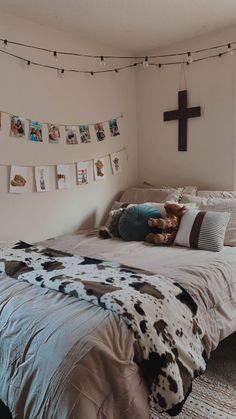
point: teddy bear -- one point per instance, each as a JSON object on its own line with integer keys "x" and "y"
{"x": 168, "y": 225}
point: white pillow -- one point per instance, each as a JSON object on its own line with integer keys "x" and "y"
{"x": 142, "y": 195}
{"x": 217, "y": 194}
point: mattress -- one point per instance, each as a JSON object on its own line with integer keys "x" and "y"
{"x": 68, "y": 359}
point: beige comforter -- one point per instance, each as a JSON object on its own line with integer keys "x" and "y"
{"x": 67, "y": 359}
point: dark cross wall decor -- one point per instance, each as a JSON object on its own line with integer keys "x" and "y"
{"x": 182, "y": 114}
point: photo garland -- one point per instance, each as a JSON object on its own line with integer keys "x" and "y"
{"x": 74, "y": 134}
{"x": 19, "y": 174}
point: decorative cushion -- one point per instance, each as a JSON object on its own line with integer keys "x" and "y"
{"x": 202, "y": 230}
{"x": 133, "y": 224}
{"x": 141, "y": 195}
{"x": 110, "y": 229}
{"x": 220, "y": 205}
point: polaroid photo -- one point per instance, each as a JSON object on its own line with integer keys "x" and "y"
{"x": 71, "y": 134}
{"x": 18, "y": 179}
{"x": 42, "y": 178}
{"x": 17, "y": 126}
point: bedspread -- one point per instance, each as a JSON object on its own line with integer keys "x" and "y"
{"x": 161, "y": 314}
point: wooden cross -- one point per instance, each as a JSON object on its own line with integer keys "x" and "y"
{"x": 182, "y": 114}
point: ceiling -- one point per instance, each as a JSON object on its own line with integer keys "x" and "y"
{"x": 133, "y": 25}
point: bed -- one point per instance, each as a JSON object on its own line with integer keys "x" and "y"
{"x": 69, "y": 359}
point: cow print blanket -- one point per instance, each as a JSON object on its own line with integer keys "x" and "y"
{"x": 161, "y": 314}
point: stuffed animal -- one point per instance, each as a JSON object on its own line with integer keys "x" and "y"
{"x": 168, "y": 225}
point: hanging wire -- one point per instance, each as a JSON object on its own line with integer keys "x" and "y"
{"x": 123, "y": 149}
{"x": 75, "y": 54}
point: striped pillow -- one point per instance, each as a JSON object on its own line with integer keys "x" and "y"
{"x": 203, "y": 230}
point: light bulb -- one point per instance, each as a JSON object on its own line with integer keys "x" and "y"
{"x": 55, "y": 56}
{"x": 5, "y": 44}
{"x": 145, "y": 62}
{"x": 230, "y": 49}
{"x": 61, "y": 73}
{"x": 102, "y": 61}
{"x": 189, "y": 59}
{"x": 28, "y": 65}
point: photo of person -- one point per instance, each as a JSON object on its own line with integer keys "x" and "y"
{"x": 18, "y": 179}
{"x": 42, "y": 178}
{"x": 71, "y": 134}
{"x": 54, "y": 134}
{"x": 84, "y": 134}
{"x": 82, "y": 173}
{"x": 17, "y": 126}
{"x": 115, "y": 163}
{"x": 35, "y": 131}
{"x": 114, "y": 127}
{"x": 63, "y": 176}
{"x": 98, "y": 165}
{"x": 99, "y": 131}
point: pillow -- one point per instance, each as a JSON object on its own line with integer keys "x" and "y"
{"x": 133, "y": 224}
{"x": 217, "y": 194}
{"x": 220, "y": 205}
{"x": 110, "y": 229}
{"x": 192, "y": 190}
{"x": 202, "y": 230}
{"x": 141, "y": 195}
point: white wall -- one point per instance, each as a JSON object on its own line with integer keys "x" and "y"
{"x": 41, "y": 95}
{"x": 210, "y": 159}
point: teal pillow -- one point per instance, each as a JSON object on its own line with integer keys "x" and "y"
{"x": 133, "y": 223}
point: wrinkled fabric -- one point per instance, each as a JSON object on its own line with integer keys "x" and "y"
{"x": 172, "y": 353}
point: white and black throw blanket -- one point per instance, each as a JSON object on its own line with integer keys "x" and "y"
{"x": 162, "y": 315}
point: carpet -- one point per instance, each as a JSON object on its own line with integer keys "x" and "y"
{"x": 214, "y": 394}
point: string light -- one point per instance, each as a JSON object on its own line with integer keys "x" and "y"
{"x": 61, "y": 73}
{"x": 230, "y": 49}
{"x": 189, "y": 59}
{"x": 55, "y": 56}
{"x": 146, "y": 62}
{"x": 28, "y": 65}
{"x": 102, "y": 61}
{"x": 143, "y": 60}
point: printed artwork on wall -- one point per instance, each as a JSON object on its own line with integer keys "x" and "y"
{"x": 54, "y": 134}
{"x": 35, "y": 131}
{"x": 18, "y": 179}
{"x": 115, "y": 163}
{"x": 84, "y": 134}
{"x": 63, "y": 176}
{"x": 17, "y": 126}
{"x": 98, "y": 165}
{"x": 71, "y": 134}
{"x": 113, "y": 127}
{"x": 82, "y": 173}
{"x": 100, "y": 133}
{"x": 42, "y": 178}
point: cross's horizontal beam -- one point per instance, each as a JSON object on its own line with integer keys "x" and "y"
{"x": 182, "y": 114}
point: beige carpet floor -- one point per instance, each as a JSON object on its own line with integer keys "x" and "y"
{"x": 214, "y": 394}
{"x": 222, "y": 365}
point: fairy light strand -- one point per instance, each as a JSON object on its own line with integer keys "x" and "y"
{"x": 144, "y": 60}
